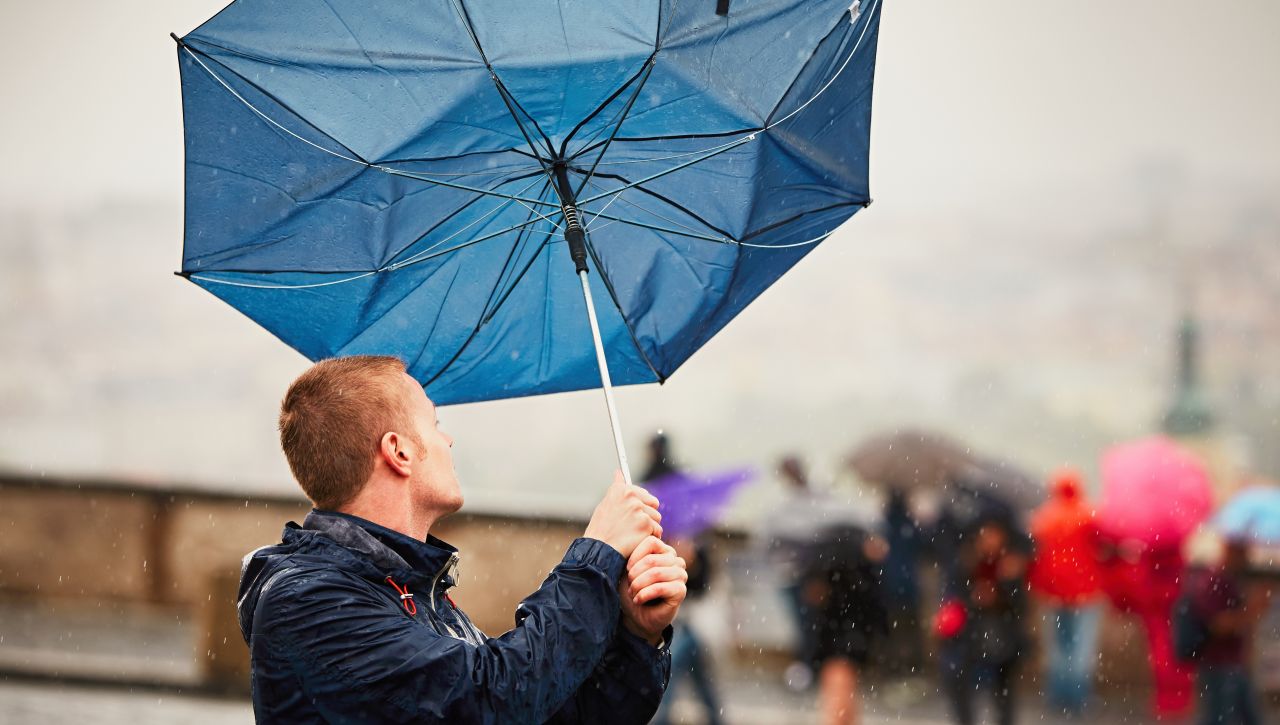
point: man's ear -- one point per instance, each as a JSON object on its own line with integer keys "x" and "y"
{"x": 395, "y": 455}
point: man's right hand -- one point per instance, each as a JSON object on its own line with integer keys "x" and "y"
{"x": 625, "y": 517}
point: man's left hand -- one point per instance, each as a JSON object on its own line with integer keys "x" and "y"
{"x": 653, "y": 589}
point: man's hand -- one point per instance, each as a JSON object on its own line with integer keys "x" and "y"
{"x": 625, "y": 516}
{"x": 653, "y": 590}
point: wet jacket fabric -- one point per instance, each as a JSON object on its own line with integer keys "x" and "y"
{"x": 347, "y": 621}
{"x": 1065, "y": 568}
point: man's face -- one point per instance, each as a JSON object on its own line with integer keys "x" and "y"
{"x": 434, "y": 478}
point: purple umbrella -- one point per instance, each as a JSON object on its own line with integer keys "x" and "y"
{"x": 690, "y": 503}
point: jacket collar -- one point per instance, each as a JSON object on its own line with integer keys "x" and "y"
{"x": 385, "y": 548}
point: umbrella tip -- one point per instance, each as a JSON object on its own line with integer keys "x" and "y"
{"x": 176, "y": 39}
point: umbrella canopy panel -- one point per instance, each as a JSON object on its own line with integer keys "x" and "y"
{"x": 377, "y": 177}
{"x": 1153, "y": 492}
{"x": 1253, "y": 514}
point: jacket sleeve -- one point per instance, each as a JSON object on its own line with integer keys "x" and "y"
{"x": 360, "y": 659}
{"x": 626, "y": 686}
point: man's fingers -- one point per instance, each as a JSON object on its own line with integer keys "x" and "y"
{"x": 650, "y": 545}
{"x": 670, "y": 591}
{"x": 648, "y": 498}
{"x": 653, "y": 514}
{"x": 658, "y": 575}
{"x": 666, "y": 558}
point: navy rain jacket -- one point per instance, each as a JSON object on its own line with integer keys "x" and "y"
{"x": 332, "y": 639}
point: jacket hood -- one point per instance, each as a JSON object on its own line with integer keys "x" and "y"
{"x": 330, "y": 540}
{"x": 1066, "y": 485}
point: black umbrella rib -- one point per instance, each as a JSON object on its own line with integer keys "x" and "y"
{"x": 355, "y": 157}
{"x": 678, "y": 137}
{"x": 454, "y": 213}
{"x": 665, "y": 230}
{"x": 644, "y": 69}
{"x": 389, "y": 268}
{"x": 648, "y": 71}
{"x": 797, "y": 217}
{"x": 684, "y": 165}
{"x": 484, "y": 319}
{"x": 626, "y": 324}
{"x": 507, "y": 99}
{"x": 663, "y": 198}
{"x": 520, "y": 238}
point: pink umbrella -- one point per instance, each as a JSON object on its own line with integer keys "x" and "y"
{"x": 1153, "y": 492}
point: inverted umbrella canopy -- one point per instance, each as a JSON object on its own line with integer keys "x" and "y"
{"x": 691, "y": 503}
{"x": 398, "y": 178}
{"x": 1252, "y": 514}
{"x": 1154, "y": 492}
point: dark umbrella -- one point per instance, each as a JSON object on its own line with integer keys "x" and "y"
{"x": 436, "y": 181}
{"x": 921, "y": 460}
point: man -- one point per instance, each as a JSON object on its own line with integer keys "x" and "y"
{"x": 1230, "y": 609}
{"x": 349, "y": 619}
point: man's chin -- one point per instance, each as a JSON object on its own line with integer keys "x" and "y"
{"x": 454, "y": 505}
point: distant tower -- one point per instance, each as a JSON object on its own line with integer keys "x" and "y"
{"x": 1189, "y": 415}
{"x": 1190, "y": 421}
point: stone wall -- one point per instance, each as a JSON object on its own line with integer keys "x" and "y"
{"x": 100, "y": 539}
{"x": 106, "y": 541}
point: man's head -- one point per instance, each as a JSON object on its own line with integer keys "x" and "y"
{"x": 991, "y": 538}
{"x": 1235, "y": 555}
{"x": 356, "y": 422}
{"x": 792, "y": 469}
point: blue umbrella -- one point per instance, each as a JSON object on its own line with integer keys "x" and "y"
{"x": 443, "y": 180}
{"x": 1252, "y": 514}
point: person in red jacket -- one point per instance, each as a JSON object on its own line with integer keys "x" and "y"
{"x": 1066, "y": 575}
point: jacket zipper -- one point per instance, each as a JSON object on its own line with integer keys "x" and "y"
{"x": 449, "y": 566}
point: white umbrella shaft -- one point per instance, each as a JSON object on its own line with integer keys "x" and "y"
{"x": 605, "y": 382}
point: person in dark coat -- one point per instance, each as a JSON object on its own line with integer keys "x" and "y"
{"x": 1230, "y": 608}
{"x": 904, "y": 650}
{"x": 982, "y": 620}
{"x": 843, "y": 591}
{"x": 349, "y": 618}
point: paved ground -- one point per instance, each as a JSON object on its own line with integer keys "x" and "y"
{"x": 748, "y": 702}
{"x": 154, "y": 649}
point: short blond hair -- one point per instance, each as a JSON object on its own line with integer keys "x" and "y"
{"x": 332, "y": 421}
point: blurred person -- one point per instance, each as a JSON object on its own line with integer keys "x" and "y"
{"x": 690, "y": 658}
{"x": 900, "y": 586}
{"x": 349, "y": 618}
{"x": 788, "y": 533}
{"x": 1065, "y": 574}
{"x": 842, "y": 591}
{"x": 981, "y": 622}
{"x": 1145, "y": 581}
{"x": 1229, "y": 610}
